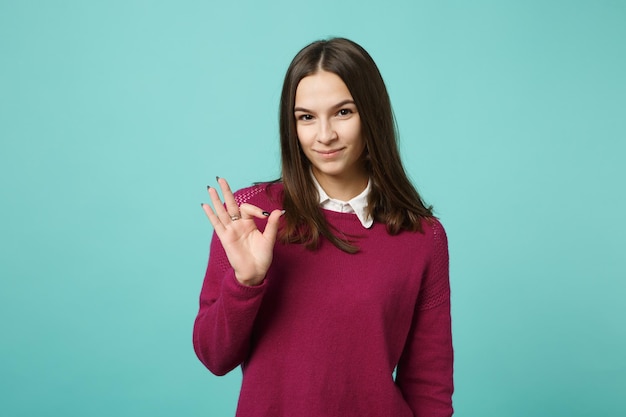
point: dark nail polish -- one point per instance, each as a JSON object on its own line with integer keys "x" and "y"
{"x": 208, "y": 187}
{"x": 265, "y": 213}
{"x": 217, "y": 178}
{"x": 202, "y": 205}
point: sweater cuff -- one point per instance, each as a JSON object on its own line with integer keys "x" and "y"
{"x": 235, "y": 289}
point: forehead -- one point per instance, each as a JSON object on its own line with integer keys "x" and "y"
{"x": 322, "y": 87}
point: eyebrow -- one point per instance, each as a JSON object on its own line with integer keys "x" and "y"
{"x": 340, "y": 104}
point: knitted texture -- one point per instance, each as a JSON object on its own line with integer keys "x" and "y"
{"x": 323, "y": 333}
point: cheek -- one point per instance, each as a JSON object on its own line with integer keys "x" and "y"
{"x": 304, "y": 134}
{"x": 299, "y": 133}
{"x": 302, "y": 144}
{"x": 356, "y": 135}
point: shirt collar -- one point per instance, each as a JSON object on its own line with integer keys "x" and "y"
{"x": 356, "y": 205}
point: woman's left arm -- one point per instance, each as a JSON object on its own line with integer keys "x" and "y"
{"x": 425, "y": 369}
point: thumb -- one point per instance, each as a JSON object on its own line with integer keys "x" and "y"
{"x": 271, "y": 228}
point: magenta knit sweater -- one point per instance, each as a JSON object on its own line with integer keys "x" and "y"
{"x": 321, "y": 336}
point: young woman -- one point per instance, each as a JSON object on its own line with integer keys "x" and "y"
{"x": 323, "y": 283}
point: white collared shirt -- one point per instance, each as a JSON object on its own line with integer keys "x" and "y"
{"x": 357, "y": 205}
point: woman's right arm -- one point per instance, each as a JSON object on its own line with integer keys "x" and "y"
{"x": 234, "y": 282}
{"x": 222, "y": 330}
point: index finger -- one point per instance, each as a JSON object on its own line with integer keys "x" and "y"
{"x": 213, "y": 218}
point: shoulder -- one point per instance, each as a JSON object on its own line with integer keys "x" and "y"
{"x": 260, "y": 194}
{"x": 435, "y": 289}
{"x": 436, "y": 236}
{"x": 430, "y": 241}
{"x": 432, "y": 226}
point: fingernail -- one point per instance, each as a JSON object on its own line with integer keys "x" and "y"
{"x": 202, "y": 205}
{"x": 208, "y": 187}
{"x": 217, "y": 178}
{"x": 282, "y": 212}
{"x": 265, "y": 213}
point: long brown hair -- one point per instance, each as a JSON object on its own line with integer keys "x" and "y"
{"x": 393, "y": 200}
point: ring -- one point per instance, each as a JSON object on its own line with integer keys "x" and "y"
{"x": 235, "y": 217}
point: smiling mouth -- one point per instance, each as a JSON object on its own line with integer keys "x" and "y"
{"x": 331, "y": 153}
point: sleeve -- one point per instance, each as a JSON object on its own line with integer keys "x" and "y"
{"x": 223, "y": 326}
{"x": 425, "y": 369}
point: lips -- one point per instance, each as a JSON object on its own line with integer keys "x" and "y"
{"x": 330, "y": 153}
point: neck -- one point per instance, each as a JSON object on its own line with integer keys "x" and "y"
{"x": 343, "y": 189}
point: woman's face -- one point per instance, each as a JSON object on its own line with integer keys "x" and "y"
{"x": 329, "y": 130}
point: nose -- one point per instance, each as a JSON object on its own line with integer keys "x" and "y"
{"x": 326, "y": 132}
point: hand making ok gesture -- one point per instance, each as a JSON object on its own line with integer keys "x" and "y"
{"x": 249, "y": 250}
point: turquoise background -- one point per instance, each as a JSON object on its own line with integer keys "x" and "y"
{"x": 115, "y": 115}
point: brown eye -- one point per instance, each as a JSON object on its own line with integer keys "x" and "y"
{"x": 344, "y": 112}
{"x": 305, "y": 117}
